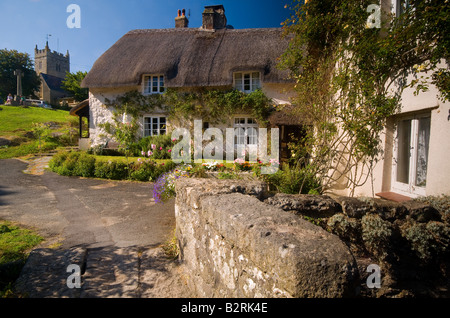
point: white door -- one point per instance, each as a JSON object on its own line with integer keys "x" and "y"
{"x": 411, "y": 155}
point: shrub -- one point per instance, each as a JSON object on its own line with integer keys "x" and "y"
{"x": 85, "y": 166}
{"x": 293, "y": 181}
{"x": 149, "y": 170}
{"x": 113, "y": 170}
{"x": 69, "y": 165}
{"x": 57, "y": 160}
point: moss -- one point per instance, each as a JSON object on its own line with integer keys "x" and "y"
{"x": 420, "y": 239}
{"x": 376, "y": 234}
{"x": 346, "y": 228}
{"x": 440, "y": 203}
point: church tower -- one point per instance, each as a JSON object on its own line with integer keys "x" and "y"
{"x": 51, "y": 63}
{"x": 51, "y": 66}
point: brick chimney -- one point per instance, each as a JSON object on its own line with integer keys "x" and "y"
{"x": 181, "y": 21}
{"x": 214, "y": 17}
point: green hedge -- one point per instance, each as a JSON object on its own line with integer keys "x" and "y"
{"x": 85, "y": 165}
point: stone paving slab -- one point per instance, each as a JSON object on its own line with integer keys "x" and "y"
{"x": 37, "y": 165}
{"x": 107, "y": 272}
{"x": 45, "y": 273}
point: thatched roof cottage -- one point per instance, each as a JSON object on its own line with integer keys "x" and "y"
{"x": 213, "y": 56}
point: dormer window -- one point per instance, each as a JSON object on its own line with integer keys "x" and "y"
{"x": 154, "y": 84}
{"x": 247, "y": 82}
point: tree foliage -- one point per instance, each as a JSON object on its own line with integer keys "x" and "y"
{"x": 11, "y": 60}
{"x": 349, "y": 77}
{"x": 72, "y": 84}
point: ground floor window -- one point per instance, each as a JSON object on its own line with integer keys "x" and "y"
{"x": 246, "y": 132}
{"x": 155, "y": 126}
{"x": 411, "y": 154}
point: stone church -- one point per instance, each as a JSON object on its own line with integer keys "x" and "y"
{"x": 51, "y": 67}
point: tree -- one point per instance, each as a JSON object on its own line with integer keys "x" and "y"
{"x": 350, "y": 76}
{"x": 11, "y": 60}
{"x": 72, "y": 84}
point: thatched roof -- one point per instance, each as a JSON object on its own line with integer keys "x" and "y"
{"x": 190, "y": 57}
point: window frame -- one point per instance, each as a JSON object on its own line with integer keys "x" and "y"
{"x": 251, "y": 81}
{"x": 410, "y": 188}
{"x": 151, "y": 123}
{"x": 246, "y": 126}
{"x": 149, "y": 89}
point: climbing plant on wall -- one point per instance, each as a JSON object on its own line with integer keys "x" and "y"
{"x": 210, "y": 105}
{"x": 350, "y": 75}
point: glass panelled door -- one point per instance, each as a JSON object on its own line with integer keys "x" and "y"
{"x": 411, "y": 155}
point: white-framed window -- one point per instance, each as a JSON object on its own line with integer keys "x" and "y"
{"x": 155, "y": 125}
{"x": 247, "y": 82}
{"x": 246, "y": 131}
{"x": 411, "y": 154}
{"x": 153, "y": 84}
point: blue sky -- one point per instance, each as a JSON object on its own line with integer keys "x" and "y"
{"x": 26, "y": 23}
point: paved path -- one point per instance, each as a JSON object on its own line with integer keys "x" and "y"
{"x": 113, "y": 230}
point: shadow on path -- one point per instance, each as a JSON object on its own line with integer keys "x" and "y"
{"x": 106, "y": 272}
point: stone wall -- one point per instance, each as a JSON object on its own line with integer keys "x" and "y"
{"x": 232, "y": 244}
{"x": 237, "y": 240}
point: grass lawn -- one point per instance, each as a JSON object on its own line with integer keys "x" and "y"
{"x": 14, "y": 120}
{"x": 15, "y": 244}
{"x": 16, "y": 123}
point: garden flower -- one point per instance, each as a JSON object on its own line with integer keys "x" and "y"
{"x": 274, "y": 162}
{"x": 149, "y": 153}
{"x": 143, "y": 153}
{"x": 170, "y": 150}
{"x": 139, "y": 160}
{"x": 160, "y": 148}
{"x": 153, "y": 146}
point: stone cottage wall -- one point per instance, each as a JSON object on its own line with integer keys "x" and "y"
{"x": 234, "y": 245}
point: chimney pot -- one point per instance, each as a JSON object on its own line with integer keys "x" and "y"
{"x": 181, "y": 21}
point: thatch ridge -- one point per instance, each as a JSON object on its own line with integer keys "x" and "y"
{"x": 190, "y": 57}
